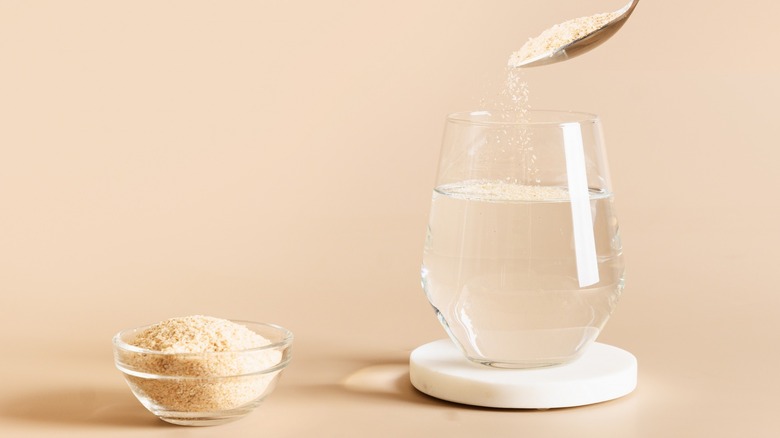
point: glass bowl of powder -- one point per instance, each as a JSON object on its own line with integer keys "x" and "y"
{"x": 200, "y": 370}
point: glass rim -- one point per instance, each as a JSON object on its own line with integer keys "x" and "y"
{"x": 539, "y": 117}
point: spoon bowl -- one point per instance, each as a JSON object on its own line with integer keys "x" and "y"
{"x": 583, "y": 44}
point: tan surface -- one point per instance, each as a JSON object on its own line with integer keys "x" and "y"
{"x": 273, "y": 161}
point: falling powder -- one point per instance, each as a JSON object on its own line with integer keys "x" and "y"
{"x": 560, "y": 35}
{"x": 511, "y": 138}
{"x": 514, "y": 102}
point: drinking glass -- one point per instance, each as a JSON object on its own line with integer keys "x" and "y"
{"x": 523, "y": 261}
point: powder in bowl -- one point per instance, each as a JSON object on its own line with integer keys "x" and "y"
{"x": 192, "y": 369}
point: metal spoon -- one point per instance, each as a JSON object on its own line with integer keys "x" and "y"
{"x": 583, "y": 44}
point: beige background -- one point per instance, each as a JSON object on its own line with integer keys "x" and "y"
{"x": 273, "y": 161}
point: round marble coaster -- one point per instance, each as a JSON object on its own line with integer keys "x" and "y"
{"x": 603, "y": 373}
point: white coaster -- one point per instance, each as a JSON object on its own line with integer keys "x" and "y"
{"x": 603, "y": 373}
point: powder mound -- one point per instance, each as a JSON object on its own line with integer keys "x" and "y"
{"x": 198, "y": 334}
{"x": 201, "y": 364}
{"x": 561, "y": 35}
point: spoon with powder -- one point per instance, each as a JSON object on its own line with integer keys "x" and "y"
{"x": 571, "y": 38}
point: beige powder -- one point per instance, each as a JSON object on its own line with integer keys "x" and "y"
{"x": 510, "y": 105}
{"x": 487, "y": 190}
{"x": 198, "y": 334}
{"x": 560, "y": 35}
{"x": 207, "y": 355}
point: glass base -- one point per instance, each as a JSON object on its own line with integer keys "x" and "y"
{"x": 202, "y": 418}
{"x": 521, "y": 365}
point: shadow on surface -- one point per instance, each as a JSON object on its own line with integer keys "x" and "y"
{"x": 78, "y": 407}
{"x": 387, "y": 381}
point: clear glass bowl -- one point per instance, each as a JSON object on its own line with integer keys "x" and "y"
{"x": 203, "y": 389}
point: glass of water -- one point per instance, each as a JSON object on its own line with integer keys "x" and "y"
{"x": 523, "y": 261}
